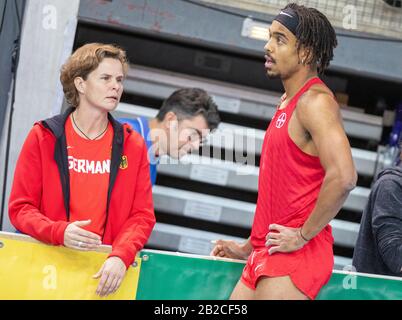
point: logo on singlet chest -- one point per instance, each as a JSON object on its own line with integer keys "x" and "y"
{"x": 281, "y": 120}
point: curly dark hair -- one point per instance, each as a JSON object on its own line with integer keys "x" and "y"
{"x": 315, "y": 33}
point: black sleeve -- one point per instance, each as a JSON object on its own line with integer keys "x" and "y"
{"x": 387, "y": 223}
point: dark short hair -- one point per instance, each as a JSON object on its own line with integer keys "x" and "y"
{"x": 315, "y": 33}
{"x": 190, "y": 102}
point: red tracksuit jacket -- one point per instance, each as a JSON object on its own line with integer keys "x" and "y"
{"x": 40, "y": 196}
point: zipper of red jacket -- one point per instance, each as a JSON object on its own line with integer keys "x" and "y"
{"x": 117, "y": 151}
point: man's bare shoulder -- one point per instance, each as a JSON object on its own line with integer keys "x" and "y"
{"x": 318, "y": 100}
{"x": 317, "y": 94}
{"x": 318, "y": 107}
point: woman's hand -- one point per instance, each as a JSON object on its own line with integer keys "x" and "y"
{"x": 111, "y": 276}
{"x": 79, "y": 239}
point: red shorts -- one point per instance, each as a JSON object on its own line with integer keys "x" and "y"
{"x": 309, "y": 268}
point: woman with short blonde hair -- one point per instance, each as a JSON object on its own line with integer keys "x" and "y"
{"x": 82, "y": 178}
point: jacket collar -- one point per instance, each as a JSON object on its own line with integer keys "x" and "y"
{"x": 56, "y": 125}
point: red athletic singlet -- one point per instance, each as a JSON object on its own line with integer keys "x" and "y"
{"x": 288, "y": 188}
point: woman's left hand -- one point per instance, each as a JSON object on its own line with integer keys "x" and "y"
{"x": 111, "y": 276}
{"x": 284, "y": 239}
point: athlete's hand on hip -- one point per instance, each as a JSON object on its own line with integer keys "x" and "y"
{"x": 230, "y": 249}
{"x": 79, "y": 239}
{"x": 283, "y": 239}
{"x": 111, "y": 275}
